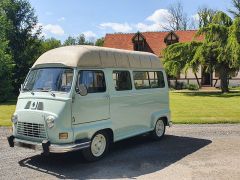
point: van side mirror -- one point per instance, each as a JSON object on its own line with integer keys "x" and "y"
{"x": 82, "y": 90}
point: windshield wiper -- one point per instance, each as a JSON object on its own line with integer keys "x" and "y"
{"x": 46, "y": 90}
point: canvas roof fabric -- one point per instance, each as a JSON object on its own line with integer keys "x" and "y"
{"x": 97, "y": 57}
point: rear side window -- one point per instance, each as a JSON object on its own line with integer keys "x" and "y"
{"x": 147, "y": 80}
{"x": 122, "y": 80}
{"x": 141, "y": 80}
{"x": 93, "y": 79}
{"x": 156, "y": 79}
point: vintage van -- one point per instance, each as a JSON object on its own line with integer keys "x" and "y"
{"x": 85, "y": 98}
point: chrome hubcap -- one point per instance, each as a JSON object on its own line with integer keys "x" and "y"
{"x": 98, "y": 145}
{"x": 159, "y": 128}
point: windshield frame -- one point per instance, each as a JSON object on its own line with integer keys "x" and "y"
{"x": 35, "y": 90}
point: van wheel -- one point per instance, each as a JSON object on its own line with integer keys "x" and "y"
{"x": 98, "y": 148}
{"x": 159, "y": 130}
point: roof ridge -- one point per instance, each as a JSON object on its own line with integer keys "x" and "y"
{"x": 120, "y": 33}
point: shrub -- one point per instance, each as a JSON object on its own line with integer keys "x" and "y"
{"x": 192, "y": 87}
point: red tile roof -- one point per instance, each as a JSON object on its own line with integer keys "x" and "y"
{"x": 155, "y": 40}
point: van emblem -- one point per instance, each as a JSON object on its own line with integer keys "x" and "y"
{"x": 34, "y": 105}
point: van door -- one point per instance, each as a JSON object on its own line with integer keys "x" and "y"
{"x": 122, "y": 106}
{"x": 95, "y": 105}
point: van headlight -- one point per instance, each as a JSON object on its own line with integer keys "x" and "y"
{"x": 14, "y": 118}
{"x": 50, "y": 121}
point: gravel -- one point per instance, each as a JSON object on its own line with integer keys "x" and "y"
{"x": 186, "y": 152}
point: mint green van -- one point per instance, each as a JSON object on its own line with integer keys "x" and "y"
{"x": 85, "y": 98}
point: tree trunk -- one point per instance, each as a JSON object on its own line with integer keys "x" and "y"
{"x": 197, "y": 80}
{"x": 224, "y": 80}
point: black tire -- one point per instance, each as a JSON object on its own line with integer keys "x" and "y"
{"x": 88, "y": 153}
{"x": 158, "y": 136}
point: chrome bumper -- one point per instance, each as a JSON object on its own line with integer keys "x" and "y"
{"x": 47, "y": 147}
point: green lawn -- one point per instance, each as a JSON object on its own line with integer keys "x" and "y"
{"x": 205, "y": 107}
{"x": 6, "y": 111}
{"x": 188, "y": 107}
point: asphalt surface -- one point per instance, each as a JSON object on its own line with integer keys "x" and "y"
{"x": 186, "y": 152}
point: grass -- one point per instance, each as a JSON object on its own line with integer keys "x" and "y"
{"x": 205, "y": 107}
{"x": 187, "y": 108}
{"x": 6, "y": 111}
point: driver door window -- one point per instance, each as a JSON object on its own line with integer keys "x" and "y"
{"x": 94, "y": 80}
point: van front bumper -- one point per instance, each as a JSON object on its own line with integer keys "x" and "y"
{"x": 46, "y": 147}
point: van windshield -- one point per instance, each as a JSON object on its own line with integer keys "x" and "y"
{"x": 49, "y": 79}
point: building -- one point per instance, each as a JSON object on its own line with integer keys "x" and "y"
{"x": 156, "y": 42}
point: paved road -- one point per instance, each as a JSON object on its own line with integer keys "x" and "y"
{"x": 187, "y": 152}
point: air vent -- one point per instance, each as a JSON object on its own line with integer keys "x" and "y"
{"x": 40, "y": 106}
{"x": 28, "y": 105}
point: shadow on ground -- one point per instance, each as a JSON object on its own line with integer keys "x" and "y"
{"x": 129, "y": 158}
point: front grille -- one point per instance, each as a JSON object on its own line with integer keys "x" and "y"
{"x": 31, "y": 130}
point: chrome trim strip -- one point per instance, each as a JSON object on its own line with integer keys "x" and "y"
{"x": 54, "y": 148}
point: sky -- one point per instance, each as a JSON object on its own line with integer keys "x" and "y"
{"x": 95, "y": 18}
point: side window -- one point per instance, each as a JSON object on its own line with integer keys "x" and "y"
{"x": 94, "y": 80}
{"x": 122, "y": 80}
{"x": 156, "y": 79}
{"x": 141, "y": 80}
{"x": 145, "y": 80}
{"x": 161, "y": 82}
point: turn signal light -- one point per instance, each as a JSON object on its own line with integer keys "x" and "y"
{"x": 63, "y": 135}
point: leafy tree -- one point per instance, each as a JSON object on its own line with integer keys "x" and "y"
{"x": 220, "y": 49}
{"x": 70, "y": 41}
{"x": 99, "y": 42}
{"x": 236, "y": 11}
{"x": 80, "y": 40}
{"x": 219, "y": 52}
{"x": 49, "y": 44}
{"x": 205, "y": 16}
{"x": 178, "y": 58}
{"x": 22, "y": 36}
{"x": 6, "y": 63}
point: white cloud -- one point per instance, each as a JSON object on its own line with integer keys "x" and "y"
{"x": 159, "y": 16}
{"x": 155, "y": 22}
{"x": 195, "y": 17}
{"x": 90, "y": 36}
{"x": 148, "y": 27}
{"x": 53, "y": 29}
{"x": 61, "y": 19}
{"x": 117, "y": 27}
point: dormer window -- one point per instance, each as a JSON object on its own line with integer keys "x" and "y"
{"x": 139, "y": 42}
{"x": 171, "y": 38}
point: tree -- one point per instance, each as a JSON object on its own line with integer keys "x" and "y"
{"x": 178, "y": 58}
{"x": 99, "y": 42}
{"x": 6, "y": 63}
{"x": 49, "y": 44}
{"x": 205, "y": 16}
{"x": 236, "y": 11}
{"x": 80, "y": 40}
{"x": 70, "y": 41}
{"x": 22, "y": 36}
{"x": 177, "y": 20}
{"x": 220, "y": 49}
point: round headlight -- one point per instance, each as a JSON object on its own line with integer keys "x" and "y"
{"x": 50, "y": 121}
{"x": 14, "y": 118}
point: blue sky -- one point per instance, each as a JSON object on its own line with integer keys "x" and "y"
{"x": 95, "y": 18}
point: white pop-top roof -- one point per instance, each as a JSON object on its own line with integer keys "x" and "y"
{"x": 97, "y": 57}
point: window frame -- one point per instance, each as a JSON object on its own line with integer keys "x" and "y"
{"x": 149, "y": 79}
{"x": 92, "y": 70}
{"x": 129, "y": 73}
